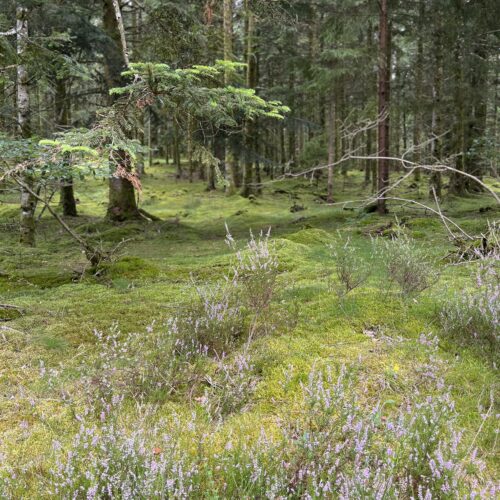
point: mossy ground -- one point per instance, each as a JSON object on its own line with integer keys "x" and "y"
{"x": 62, "y": 304}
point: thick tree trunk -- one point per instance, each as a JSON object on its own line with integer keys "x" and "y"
{"x": 68, "y": 201}
{"x": 28, "y": 202}
{"x": 122, "y": 201}
{"x": 66, "y": 192}
{"x": 383, "y": 106}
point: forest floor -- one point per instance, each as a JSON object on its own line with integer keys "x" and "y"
{"x": 373, "y": 330}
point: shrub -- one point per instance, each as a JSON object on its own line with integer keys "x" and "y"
{"x": 408, "y": 265}
{"x": 256, "y": 272}
{"x": 219, "y": 317}
{"x": 474, "y": 313}
{"x": 351, "y": 269}
{"x": 339, "y": 447}
{"x": 230, "y": 389}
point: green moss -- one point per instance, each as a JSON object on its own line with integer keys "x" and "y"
{"x": 152, "y": 279}
{"x": 130, "y": 267}
{"x": 310, "y": 237}
{"x": 44, "y": 278}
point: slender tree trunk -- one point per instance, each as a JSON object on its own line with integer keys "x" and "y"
{"x": 167, "y": 143}
{"x": 383, "y": 106}
{"x": 150, "y": 140}
{"x": 232, "y": 176}
{"x": 457, "y": 181}
{"x": 291, "y": 128}
{"x": 435, "y": 178}
{"x": 248, "y": 174}
{"x": 28, "y": 202}
{"x": 417, "y": 112}
{"x": 368, "y": 163}
{"x": 282, "y": 149}
{"x": 190, "y": 148}
{"x": 330, "y": 120}
{"x": 176, "y": 151}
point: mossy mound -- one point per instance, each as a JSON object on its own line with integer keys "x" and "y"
{"x": 130, "y": 267}
{"x": 8, "y": 313}
{"x": 120, "y": 233}
{"x": 290, "y": 253}
{"x": 111, "y": 233}
{"x": 44, "y": 278}
{"x": 310, "y": 237}
{"x": 424, "y": 223}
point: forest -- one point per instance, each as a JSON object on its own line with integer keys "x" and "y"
{"x": 249, "y": 249}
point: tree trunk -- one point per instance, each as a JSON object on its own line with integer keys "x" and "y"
{"x": 368, "y": 163}
{"x": 417, "y": 113}
{"x": 66, "y": 192}
{"x": 190, "y": 148}
{"x": 232, "y": 176}
{"x": 435, "y": 178}
{"x": 248, "y": 173}
{"x": 122, "y": 202}
{"x": 176, "y": 151}
{"x": 331, "y": 148}
{"x": 28, "y": 202}
{"x": 291, "y": 128}
{"x": 383, "y": 106}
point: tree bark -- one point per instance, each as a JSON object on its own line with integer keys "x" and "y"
{"x": 417, "y": 113}
{"x": 28, "y": 201}
{"x": 248, "y": 173}
{"x": 383, "y": 106}
{"x": 66, "y": 192}
{"x": 122, "y": 202}
{"x": 232, "y": 176}
{"x": 331, "y": 148}
{"x": 435, "y": 187}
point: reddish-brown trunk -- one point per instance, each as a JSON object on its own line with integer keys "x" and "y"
{"x": 383, "y": 106}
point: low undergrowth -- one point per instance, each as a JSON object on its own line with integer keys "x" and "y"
{"x": 248, "y": 377}
{"x": 336, "y": 443}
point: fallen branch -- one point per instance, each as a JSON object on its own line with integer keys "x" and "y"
{"x": 94, "y": 256}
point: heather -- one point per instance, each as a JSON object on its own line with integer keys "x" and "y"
{"x": 254, "y": 356}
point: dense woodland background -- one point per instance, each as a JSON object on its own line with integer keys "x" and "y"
{"x": 423, "y": 74}
{"x": 249, "y": 249}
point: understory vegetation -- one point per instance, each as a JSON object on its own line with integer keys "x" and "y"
{"x": 249, "y": 249}
{"x": 263, "y": 354}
